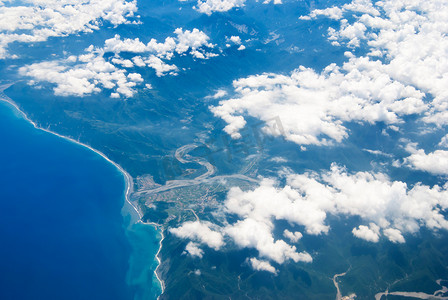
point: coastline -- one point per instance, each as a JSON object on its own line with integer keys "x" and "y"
{"x": 159, "y": 261}
{"x": 129, "y": 187}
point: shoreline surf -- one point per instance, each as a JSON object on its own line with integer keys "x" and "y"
{"x": 159, "y": 261}
{"x": 128, "y": 178}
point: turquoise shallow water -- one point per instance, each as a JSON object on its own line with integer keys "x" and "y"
{"x": 144, "y": 240}
{"x": 62, "y": 233}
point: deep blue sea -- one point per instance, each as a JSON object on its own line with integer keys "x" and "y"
{"x": 62, "y": 233}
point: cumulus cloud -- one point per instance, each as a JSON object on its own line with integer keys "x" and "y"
{"x": 37, "y": 20}
{"x": 336, "y": 13}
{"x": 248, "y": 233}
{"x": 394, "y": 235}
{"x": 235, "y": 39}
{"x": 117, "y": 45}
{"x": 252, "y": 233}
{"x": 123, "y": 62}
{"x": 83, "y": 75}
{"x": 294, "y": 237}
{"x": 194, "y": 250}
{"x": 135, "y": 77}
{"x": 330, "y": 12}
{"x": 262, "y": 265}
{"x": 412, "y": 36}
{"x": 245, "y": 233}
{"x": 210, "y": 6}
{"x": 371, "y": 233}
{"x": 444, "y": 142}
{"x": 194, "y": 42}
{"x": 182, "y": 42}
{"x": 354, "y": 33}
{"x": 91, "y": 72}
{"x": 273, "y": 1}
{"x": 201, "y": 232}
{"x": 308, "y": 198}
{"x": 138, "y": 61}
{"x": 313, "y": 107}
{"x": 387, "y": 208}
{"x": 160, "y": 66}
{"x": 434, "y": 162}
{"x": 219, "y": 94}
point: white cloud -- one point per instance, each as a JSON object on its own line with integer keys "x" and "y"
{"x": 377, "y": 152}
{"x": 294, "y": 237}
{"x": 361, "y": 6}
{"x": 308, "y": 198}
{"x": 434, "y": 162}
{"x": 194, "y": 250}
{"x": 138, "y": 61}
{"x": 90, "y": 72}
{"x": 135, "y": 77}
{"x": 278, "y": 159}
{"x": 353, "y": 32}
{"x": 210, "y": 6}
{"x": 194, "y": 42}
{"x": 252, "y": 233}
{"x": 336, "y": 13}
{"x": 246, "y": 233}
{"x": 182, "y": 42}
{"x": 200, "y": 232}
{"x": 394, "y": 235}
{"x": 83, "y": 75}
{"x": 218, "y": 94}
{"x": 413, "y": 38}
{"x": 371, "y": 233}
{"x": 273, "y": 1}
{"x": 313, "y": 107}
{"x": 160, "y": 66}
{"x": 444, "y": 142}
{"x": 390, "y": 208}
{"x": 235, "y": 39}
{"x": 37, "y": 20}
{"x": 117, "y": 45}
{"x": 331, "y": 12}
{"x": 123, "y": 62}
{"x": 261, "y": 265}
{"x": 267, "y": 202}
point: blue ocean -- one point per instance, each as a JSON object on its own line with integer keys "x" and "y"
{"x": 62, "y": 231}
